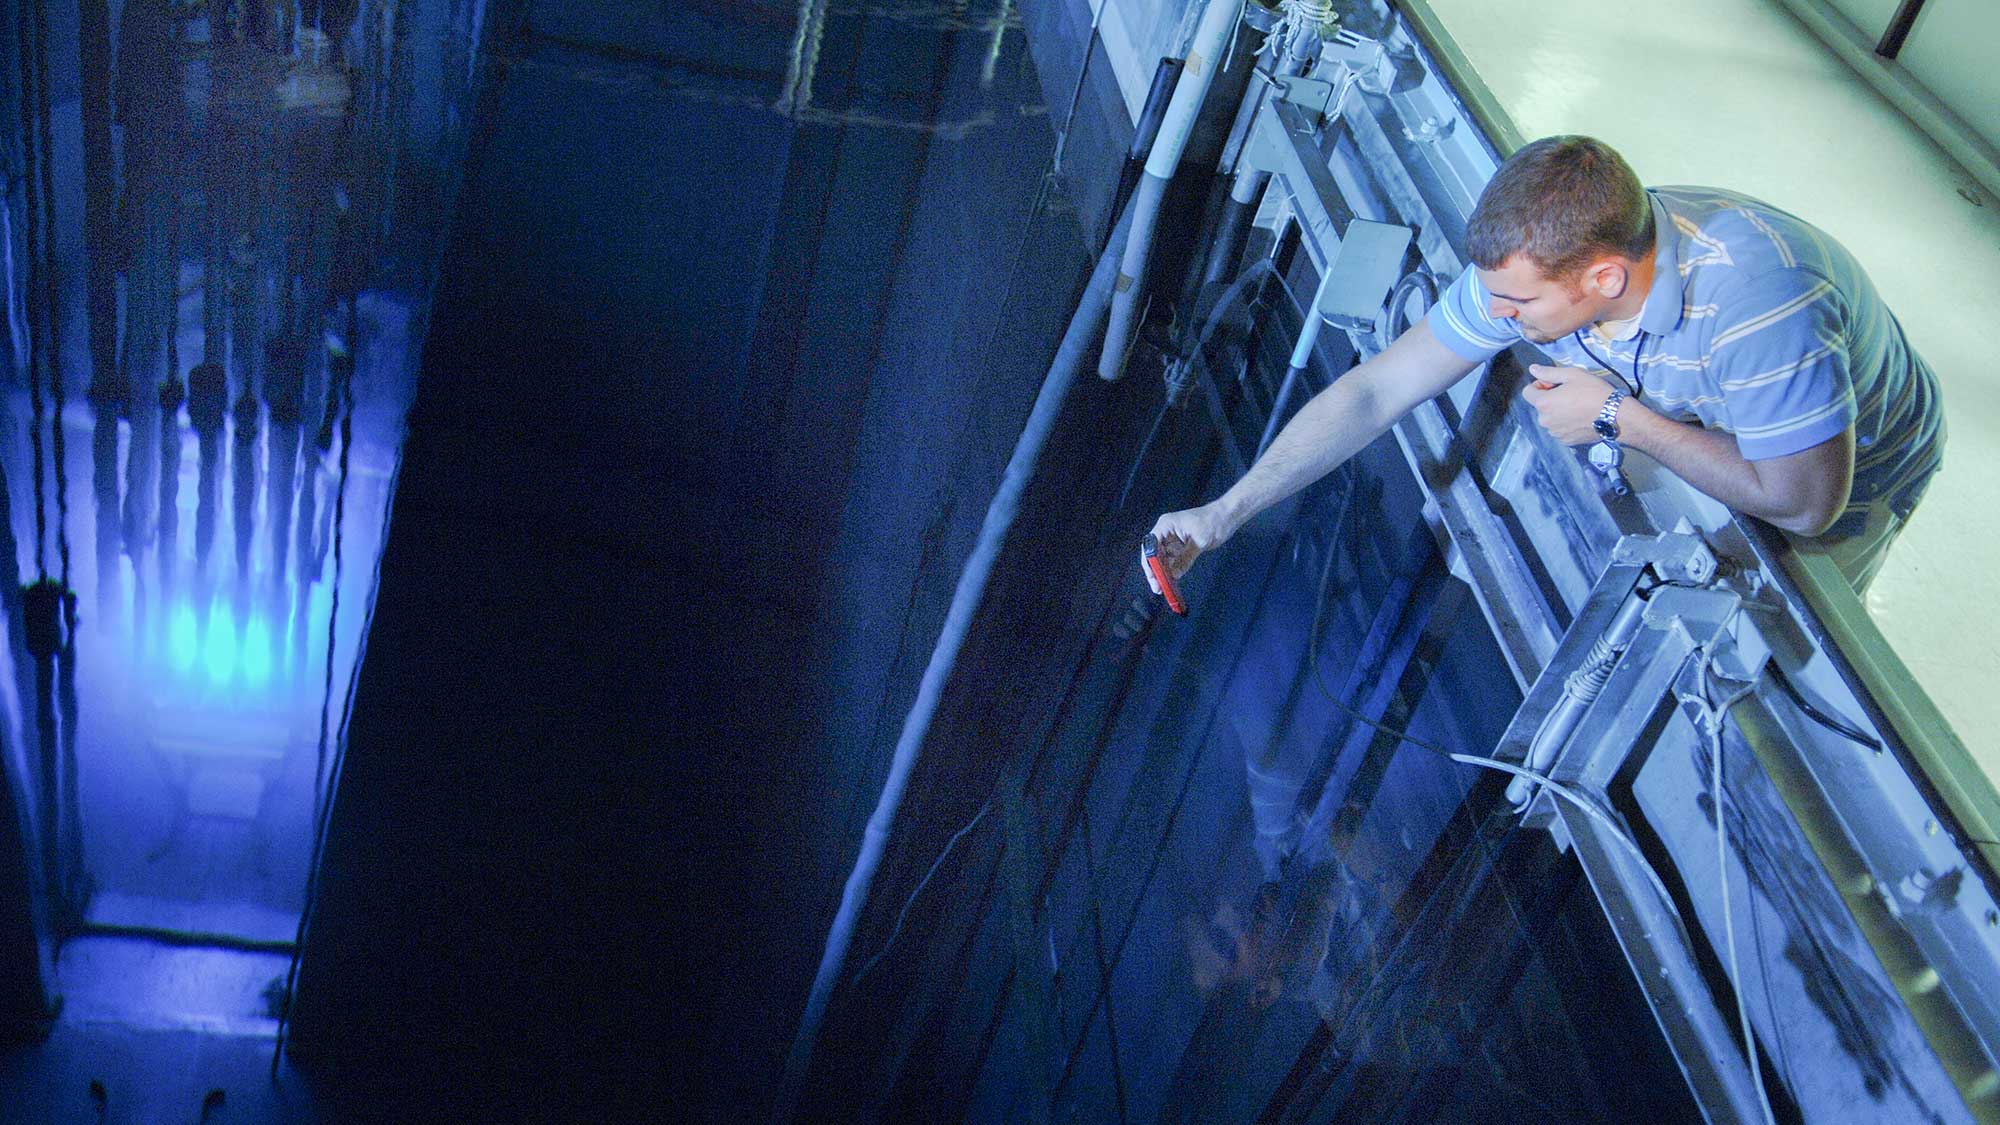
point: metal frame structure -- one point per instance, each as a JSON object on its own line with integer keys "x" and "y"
{"x": 1901, "y": 831}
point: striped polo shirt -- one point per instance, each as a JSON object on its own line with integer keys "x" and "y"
{"x": 1758, "y": 324}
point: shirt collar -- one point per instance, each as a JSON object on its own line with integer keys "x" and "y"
{"x": 1665, "y": 301}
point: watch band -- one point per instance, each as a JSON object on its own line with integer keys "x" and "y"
{"x": 1606, "y": 423}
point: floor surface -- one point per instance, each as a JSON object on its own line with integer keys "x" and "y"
{"x": 160, "y": 1035}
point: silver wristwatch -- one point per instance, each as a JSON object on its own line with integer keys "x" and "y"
{"x": 1607, "y": 455}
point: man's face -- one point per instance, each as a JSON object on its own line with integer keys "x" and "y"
{"x": 1547, "y": 308}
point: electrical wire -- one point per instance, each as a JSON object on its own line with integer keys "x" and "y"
{"x": 1076, "y": 94}
{"x": 1805, "y": 706}
{"x": 52, "y": 352}
{"x": 1711, "y": 715}
{"x": 341, "y": 390}
{"x": 897, "y": 930}
{"x": 33, "y": 239}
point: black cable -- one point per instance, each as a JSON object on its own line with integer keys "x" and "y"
{"x": 1261, "y": 270}
{"x": 1805, "y": 706}
{"x": 1418, "y": 279}
{"x": 322, "y": 787}
{"x": 53, "y": 350}
{"x": 30, "y": 195}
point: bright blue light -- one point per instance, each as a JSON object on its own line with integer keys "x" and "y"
{"x": 221, "y": 655}
{"x": 181, "y": 643}
{"x": 257, "y": 652}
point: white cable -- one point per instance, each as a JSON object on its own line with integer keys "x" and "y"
{"x": 1319, "y": 12}
{"x": 1712, "y": 715}
{"x": 1229, "y": 52}
{"x": 1590, "y": 810}
{"x": 1347, "y": 83}
{"x": 897, "y": 929}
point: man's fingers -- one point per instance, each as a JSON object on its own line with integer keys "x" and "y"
{"x": 1179, "y": 538}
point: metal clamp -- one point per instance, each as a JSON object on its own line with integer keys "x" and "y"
{"x": 1678, "y": 557}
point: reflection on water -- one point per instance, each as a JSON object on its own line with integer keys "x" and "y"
{"x": 219, "y": 259}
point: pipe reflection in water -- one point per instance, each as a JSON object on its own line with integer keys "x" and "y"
{"x": 208, "y": 399}
{"x": 108, "y": 395}
{"x": 172, "y": 394}
{"x": 244, "y": 467}
{"x": 284, "y": 384}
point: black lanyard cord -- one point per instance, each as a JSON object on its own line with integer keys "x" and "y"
{"x": 1638, "y": 386}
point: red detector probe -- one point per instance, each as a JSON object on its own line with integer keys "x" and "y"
{"x": 1149, "y": 554}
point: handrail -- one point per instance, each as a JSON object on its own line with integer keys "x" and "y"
{"x": 1495, "y": 126}
{"x": 1958, "y": 791}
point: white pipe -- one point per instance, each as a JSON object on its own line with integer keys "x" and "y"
{"x": 1204, "y": 57}
{"x": 1301, "y": 358}
{"x": 965, "y": 602}
{"x": 1309, "y": 332}
{"x": 1207, "y": 54}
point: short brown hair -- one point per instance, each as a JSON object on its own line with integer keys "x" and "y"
{"x": 1561, "y": 201}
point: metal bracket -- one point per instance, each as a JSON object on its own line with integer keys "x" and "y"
{"x": 1362, "y": 274}
{"x": 1310, "y": 94}
{"x": 1677, "y": 557}
{"x": 1367, "y": 58}
{"x": 1283, "y": 143}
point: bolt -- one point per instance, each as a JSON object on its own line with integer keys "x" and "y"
{"x": 1930, "y": 827}
{"x": 1993, "y": 917}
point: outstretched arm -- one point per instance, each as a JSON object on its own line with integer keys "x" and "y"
{"x": 1329, "y": 429}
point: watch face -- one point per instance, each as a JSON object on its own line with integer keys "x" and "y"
{"x": 1605, "y": 456}
{"x": 1604, "y": 429}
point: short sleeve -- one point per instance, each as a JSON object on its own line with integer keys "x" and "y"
{"x": 1779, "y": 354}
{"x": 1463, "y": 320}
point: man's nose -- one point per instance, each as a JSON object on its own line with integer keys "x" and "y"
{"x": 1502, "y": 310}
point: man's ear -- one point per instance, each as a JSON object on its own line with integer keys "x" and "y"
{"x": 1608, "y": 277}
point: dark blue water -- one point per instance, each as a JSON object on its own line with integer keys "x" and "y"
{"x": 686, "y": 344}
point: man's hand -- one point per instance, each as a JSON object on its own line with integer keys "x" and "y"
{"x": 1567, "y": 399}
{"x": 1183, "y": 536}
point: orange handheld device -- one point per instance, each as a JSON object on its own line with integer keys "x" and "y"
{"x": 1149, "y": 553}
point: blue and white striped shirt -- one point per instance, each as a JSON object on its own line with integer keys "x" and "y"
{"x": 1763, "y": 326}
